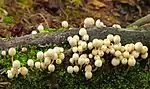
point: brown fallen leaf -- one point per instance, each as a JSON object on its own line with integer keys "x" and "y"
{"x": 96, "y": 4}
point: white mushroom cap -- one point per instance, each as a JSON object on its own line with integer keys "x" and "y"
{"x": 97, "y": 57}
{"x": 3, "y": 53}
{"x": 64, "y": 24}
{"x": 135, "y": 54}
{"x": 70, "y": 69}
{"x": 104, "y": 48}
{"x": 16, "y": 64}
{"x": 40, "y": 55}
{"x": 75, "y": 56}
{"x": 82, "y": 32}
{"x": 97, "y": 43}
{"x": 110, "y": 37}
{"x": 76, "y": 69}
{"x": 117, "y": 39}
{"x": 144, "y": 55}
{"x": 51, "y": 68}
{"x": 88, "y": 22}
{"x": 116, "y": 26}
{"x": 98, "y": 63}
{"x": 74, "y": 49}
{"x": 126, "y": 54}
{"x": 30, "y": 63}
{"x": 138, "y": 46}
{"x": 81, "y": 61}
{"x": 84, "y": 45}
{"x": 90, "y": 56}
{"x": 61, "y": 56}
{"x": 94, "y": 52}
{"x": 131, "y": 61}
{"x": 115, "y": 62}
{"x": 12, "y": 51}
{"x": 124, "y": 61}
{"x": 85, "y": 37}
{"x": 24, "y": 49}
{"x": 40, "y": 27}
{"x": 100, "y": 53}
{"x": 71, "y": 60}
{"x": 69, "y": 38}
{"x": 90, "y": 45}
{"x": 47, "y": 61}
{"x": 99, "y": 24}
{"x": 118, "y": 53}
{"x": 24, "y": 71}
{"x": 58, "y": 61}
{"x": 34, "y": 32}
{"x": 73, "y": 42}
{"x": 144, "y": 49}
{"x": 37, "y": 65}
{"x": 76, "y": 37}
{"x": 88, "y": 68}
{"x": 88, "y": 75}
{"x": 80, "y": 49}
{"x": 107, "y": 42}
{"x": 10, "y": 75}
{"x": 87, "y": 60}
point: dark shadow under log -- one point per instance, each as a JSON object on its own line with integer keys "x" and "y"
{"x": 59, "y": 37}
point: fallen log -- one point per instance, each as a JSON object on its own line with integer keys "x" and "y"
{"x": 60, "y": 37}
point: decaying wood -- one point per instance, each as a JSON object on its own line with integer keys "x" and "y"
{"x": 142, "y": 21}
{"x": 59, "y": 37}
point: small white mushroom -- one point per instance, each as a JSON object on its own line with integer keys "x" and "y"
{"x": 110, "y": 37}
{"x": 75, "y": 56}
{"x": 16, "y": 64}
{"x": 3, "y": 53}
{"x": 37, "y": 65}
{"x": 88, "y": 75}
{"x": 97, "y": 43}
{"x": 144, "y": 55}
{"x": 135, "y": 54}
{"x": 85, "y": 37}
{"x": 47, "y": 61}
{"x": 64, "y": 24}
{"x": 115, "y": 62}
{"x": 71, "y": 60}
{"x": 24, "y": 71}
{"x": 98, "y": 63}
{"x": 89, "y": 22}
{"x": 61, "y": 56}
{"x": 24, "y": 49}
{"x": 12, "y": 52}
{"x": 94, "y": 52}
{"x": 117, "y": 39}
{"x": 51, "y": 68}
{"x": 116, "y": 26}
{"x": 74, "y": 49}
{"x": 40, "y": 27}
{"x": 90, "y": 56}
{"x": 88, "y": 68}
{"x": 82, "y": 32}
{"x": 58, "y": 61}
{"x": 99, "y": 24}
{"x": 76, "y": 37}
{"x": 40, "y": 55}
{"x": 10, "y": 75}
{"x": 81, "y": 61}
{"x": 80, "y": 49}
{"x": 70, "y": 69}
{"x": 144, "y": 49}
{"x": 34, "y": 32}
{"x": 138, "y": 46}
{"x": 131, "y": 61}
{"x": 90, "y": 45}
{"x": 107, "y": 42}
{"x": 126, "y": 54}
{"x": 118, "y": 53}
{"x": 73, "y": 42}
{"x": 100, "y": 53}
{"x": 96, "y": 57}
{"x": 76, "y": 69}
{"x": 124, "y": 61}
{"x": 30, "y": 63}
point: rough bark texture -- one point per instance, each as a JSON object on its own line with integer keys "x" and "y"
{"x": 59, "y": 37}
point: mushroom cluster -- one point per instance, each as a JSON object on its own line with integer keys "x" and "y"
{"x": 47, "y": 59}
{"x": 16, "y": 69}
{"x": 86, "y": 53}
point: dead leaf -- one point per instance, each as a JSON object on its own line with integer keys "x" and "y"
{"x": 95, "y": 4}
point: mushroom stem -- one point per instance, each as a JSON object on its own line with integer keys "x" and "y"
{"x": 95, "y": 69}
{"x": 12, "y": 59}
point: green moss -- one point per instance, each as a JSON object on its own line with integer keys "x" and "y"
{"x": 8, "y": 19}
{"x": 121, "y": 78}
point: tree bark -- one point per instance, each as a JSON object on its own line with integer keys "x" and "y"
{"x": 60, "y": 37}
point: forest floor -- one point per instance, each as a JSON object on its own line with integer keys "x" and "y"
{"x": 20, "y": 17}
